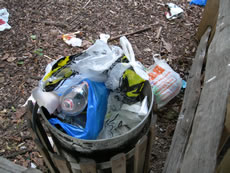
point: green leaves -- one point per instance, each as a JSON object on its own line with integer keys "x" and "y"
{"x": 38, "y": 52}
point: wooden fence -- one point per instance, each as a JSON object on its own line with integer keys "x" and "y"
{"x": 201, "y": 139}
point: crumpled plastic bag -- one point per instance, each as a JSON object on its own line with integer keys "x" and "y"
{"x": 174, "y": 11}
{"x": 115, "y": 74}
{"x": 96, "y": 110}
{"x": 4, "y": 15}
{"x": 92, "y": 64}
{"x": 198, "y": 2}
{"x": 165, "y": 82}
{"x": 119, "y": 118}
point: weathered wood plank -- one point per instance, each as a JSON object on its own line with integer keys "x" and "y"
{"x": 118, "y": 163}
{"x": 226, "y": 131}
{"x": 224, "y": 166}
{"x": 151, "y": 137}
{"x": 60, "y": 163}
{"x": 139, "y": 157}
{"x": 88, "y": 166}
{"x": 186, "y": 116}
{"x": 201, "y": 151}
{"x": 7, "y": 166}
{"x": 209, "y": 18}
{"x": 40, "y": 147}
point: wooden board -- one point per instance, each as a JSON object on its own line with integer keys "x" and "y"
{"x": 7, "y": 166}
{"x": 88, "y": 166}
{"x": 201, "y": 151}
{"x": 209, "y": 18}
{"x": 186, "y": 116}
{"x": 40, "y": 146}
{"x": 139, "y": 157}
{"x": 224, "y": 166}
{"x": 226, "y": 131}
{"x": 151, "y": 137}
{"x": 118, "y": 163}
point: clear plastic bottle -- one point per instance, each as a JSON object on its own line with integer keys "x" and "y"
{"x": 74, "y": 99}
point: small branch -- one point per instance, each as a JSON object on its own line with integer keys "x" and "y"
{"x": 86, "y": 3}
{"x": 17, "y": 153}
{"x": 51, "y": 23}
{"x": 159, "y": 32}
{"x": 131, "y": 33}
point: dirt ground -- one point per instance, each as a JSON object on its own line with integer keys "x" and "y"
{"x": 35, "y": 40}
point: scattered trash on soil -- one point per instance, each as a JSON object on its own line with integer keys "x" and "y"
{"x": 173, "y": 12}
{"x": 72, "y": 40}
{"x": 4, "y": 15}
{"x": 198, "y": 2}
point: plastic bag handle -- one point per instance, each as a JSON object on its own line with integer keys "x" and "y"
{"x": 128, "y": 50}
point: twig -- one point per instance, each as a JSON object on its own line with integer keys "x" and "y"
{"x": 131, "y": 33}
{"x": 159, "y": 32}
{"x": 86, "y": 3}
{"x": 51, "y": 23}
{"x": 18, "y": 153}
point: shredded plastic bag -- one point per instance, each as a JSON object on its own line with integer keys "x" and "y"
{"x": 4, "y": 15}
{"x": 198, "y": 2}
{"x": 96, "y": 110}
{"x": 119, "y": 118}
{"x": 165, "y": 82}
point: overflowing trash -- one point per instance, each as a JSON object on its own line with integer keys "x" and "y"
{"x": 98, "y": 93}
{"x": 198, "y": 2}
{"x": 173, "y": 12}
{"x": 4, "y": 15}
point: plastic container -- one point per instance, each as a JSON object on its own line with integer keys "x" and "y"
{"x": 74, "y": 100}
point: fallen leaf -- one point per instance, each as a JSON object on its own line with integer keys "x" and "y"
{"x": 13, "y": 109}
{"x": 86, "y": 44}
{"x": 11, "y": 59}
{"x": 20, "y": 112}
{"x": 2, "y": 79}
{"x": 20, "y": 62}
{"x": 167, "y": 46}
{"x": 33, "y": 37}
{"x": 5, "y": 56}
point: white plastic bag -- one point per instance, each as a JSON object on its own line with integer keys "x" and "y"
{"x": 128, "y": 51}
{"x": 97, "y": 59}
{"x": 165, "y": 82}
{"x": 4, "y": 15}
{"x": 121, "y": 118}
{"x": 114, "y": 75}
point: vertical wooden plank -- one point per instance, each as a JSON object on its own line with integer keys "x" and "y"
{"x": 151, "y": 137}
{"x": 118, "y": 163}
{"x": 139, "y": 157}
{"x": 40, "y": 147}
{"x": 188, "y": 110}
{"x": 60, "y": 163}
{"x": 226, "y": 131}
{"x": 202, "y": 148}
{"x": 88, "y": 166}
{"x": 209, "y": 18}
{"x": 224, "y": 166}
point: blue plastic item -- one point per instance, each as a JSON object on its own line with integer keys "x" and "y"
{"x": 96, "y": 110}
{"x": 198, "y": 2}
